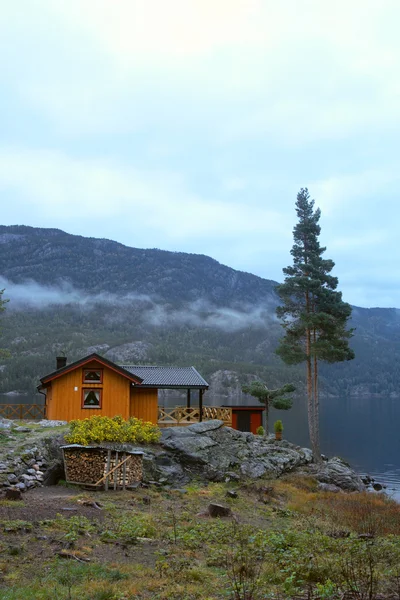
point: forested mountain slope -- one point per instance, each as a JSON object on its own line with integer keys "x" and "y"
{"x": 75, "y": 294}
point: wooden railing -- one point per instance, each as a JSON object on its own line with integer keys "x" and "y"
{"x": 181, "y": 415}
{"x": 167, "y": 417}
{"x": 23, "y": 411}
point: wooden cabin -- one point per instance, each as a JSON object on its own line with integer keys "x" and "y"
{"x": 94, "y": 385}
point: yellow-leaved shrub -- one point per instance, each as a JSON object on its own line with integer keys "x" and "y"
{"x": 112, "y": 429}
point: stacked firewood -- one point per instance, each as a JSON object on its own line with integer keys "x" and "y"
{"x": 84, "y": 465}
{"x": 91, "y": 465}
{"x": 131, "y": 470}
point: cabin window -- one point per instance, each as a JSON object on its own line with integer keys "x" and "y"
{"x": 92, "y": 375}
{"x": 91, "y": 398}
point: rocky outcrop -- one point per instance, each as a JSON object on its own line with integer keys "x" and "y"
{"x": 214, "y": 452}
{"x": 206, "y": 451}
{"x": 220, "y": 450}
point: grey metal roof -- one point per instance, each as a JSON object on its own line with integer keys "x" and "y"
{"x": 167, "y": 377}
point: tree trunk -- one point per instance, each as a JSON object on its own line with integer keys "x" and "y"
{"x": 317, "y": 450}
{"x": 266, "y": 416}
{"x": 310, "y": 404}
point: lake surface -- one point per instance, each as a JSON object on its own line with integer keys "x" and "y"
{"x": 363, "y": 431}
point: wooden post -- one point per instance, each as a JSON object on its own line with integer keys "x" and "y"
{"x": 124, "y": 472}
{"x": 201, "y": 405}
{"x": 116, "y": 471}
{"x": 107, "y": 469}
{"x": 188, "y": 399}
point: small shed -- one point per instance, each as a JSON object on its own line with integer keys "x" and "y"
{"x": 247, "y": 418}
{"x": 102, "y": 466}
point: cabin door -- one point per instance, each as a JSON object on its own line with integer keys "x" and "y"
{"x": 255, "y": 421}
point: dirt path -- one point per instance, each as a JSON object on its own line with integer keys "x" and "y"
{"x": 46, "y": 502}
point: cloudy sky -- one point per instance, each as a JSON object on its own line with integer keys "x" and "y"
{"x": 191, "y": 125}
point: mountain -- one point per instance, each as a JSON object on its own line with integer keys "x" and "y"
{"x": 76, "y": 294}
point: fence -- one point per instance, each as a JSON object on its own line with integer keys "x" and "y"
{"x": 23, "y": 411}
{"x": 167, "y": 417}
{"x": 182, "y": 415}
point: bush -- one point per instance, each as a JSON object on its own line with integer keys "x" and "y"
{"x": 278, "y": 426}
{"x": 260, "y": 430}
{"x": 106, "y": 429}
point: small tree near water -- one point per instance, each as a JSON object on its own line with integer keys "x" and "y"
{"x": 270, "y": 398}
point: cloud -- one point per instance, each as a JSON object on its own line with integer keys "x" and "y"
{"x": 204, "y": 314}
{"x": 298, "y": 71}
{"x": 34, "y": 295}
{"x": 60, "y": 186}
{"x": 196, "y": 314}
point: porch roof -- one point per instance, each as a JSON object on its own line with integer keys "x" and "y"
{"x": 167, "y": 377}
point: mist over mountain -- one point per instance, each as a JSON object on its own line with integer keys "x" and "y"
{"x": 77, "y": 295}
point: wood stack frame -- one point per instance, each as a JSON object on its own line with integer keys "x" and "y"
{"x": 102, "y": 467}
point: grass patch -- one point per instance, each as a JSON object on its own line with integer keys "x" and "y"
{"x": 282, "y": 544}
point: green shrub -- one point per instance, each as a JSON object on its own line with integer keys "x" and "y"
{"x": 260, "y": 430}
{"x": 106, "y": 429}
{"x": 278, "y": 426}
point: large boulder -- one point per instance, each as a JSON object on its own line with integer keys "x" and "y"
{"x": 217, "y": 450}
{"x": 336, "y": 472}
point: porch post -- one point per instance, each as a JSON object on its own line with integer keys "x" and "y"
{"x": 188, "y": 398}
{"x": 201, "y": 392}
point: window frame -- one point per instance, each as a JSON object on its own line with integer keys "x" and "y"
{"x": 91, "y": 406}
{"x": 92, "y": 381}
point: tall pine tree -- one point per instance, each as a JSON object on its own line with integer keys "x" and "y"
{"x": 313, "y": 313}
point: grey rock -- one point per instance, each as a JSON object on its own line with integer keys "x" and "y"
{"x": 172, "y": 473}
{"x": 45, "y": 423}
{"x": 253, "y": 469}
{"x": 307, "y": 453}
{"x": 328, "y": 487}
{"x": 21, "y": 486}
{"x": 12, "y": 478}
{"x": 338, "y": 473}
{"x": 164, "y": 460}
{"x": 190, "y": 446}
{"x": 24, "y": 477}
{"x": 232, "y": 494}
{"x": 206, "y": 426}
{"x": 231, "y": 476}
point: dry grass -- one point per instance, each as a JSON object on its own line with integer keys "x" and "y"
{"x": 359, "y": 512}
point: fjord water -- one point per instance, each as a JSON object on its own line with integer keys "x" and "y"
{"x": 364, "y": 431}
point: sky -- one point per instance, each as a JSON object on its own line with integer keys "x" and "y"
{"x": 190, "y": 125}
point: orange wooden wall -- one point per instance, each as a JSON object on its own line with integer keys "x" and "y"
{"x": 65, "y": 403}
{"x": 144, "y": 404}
